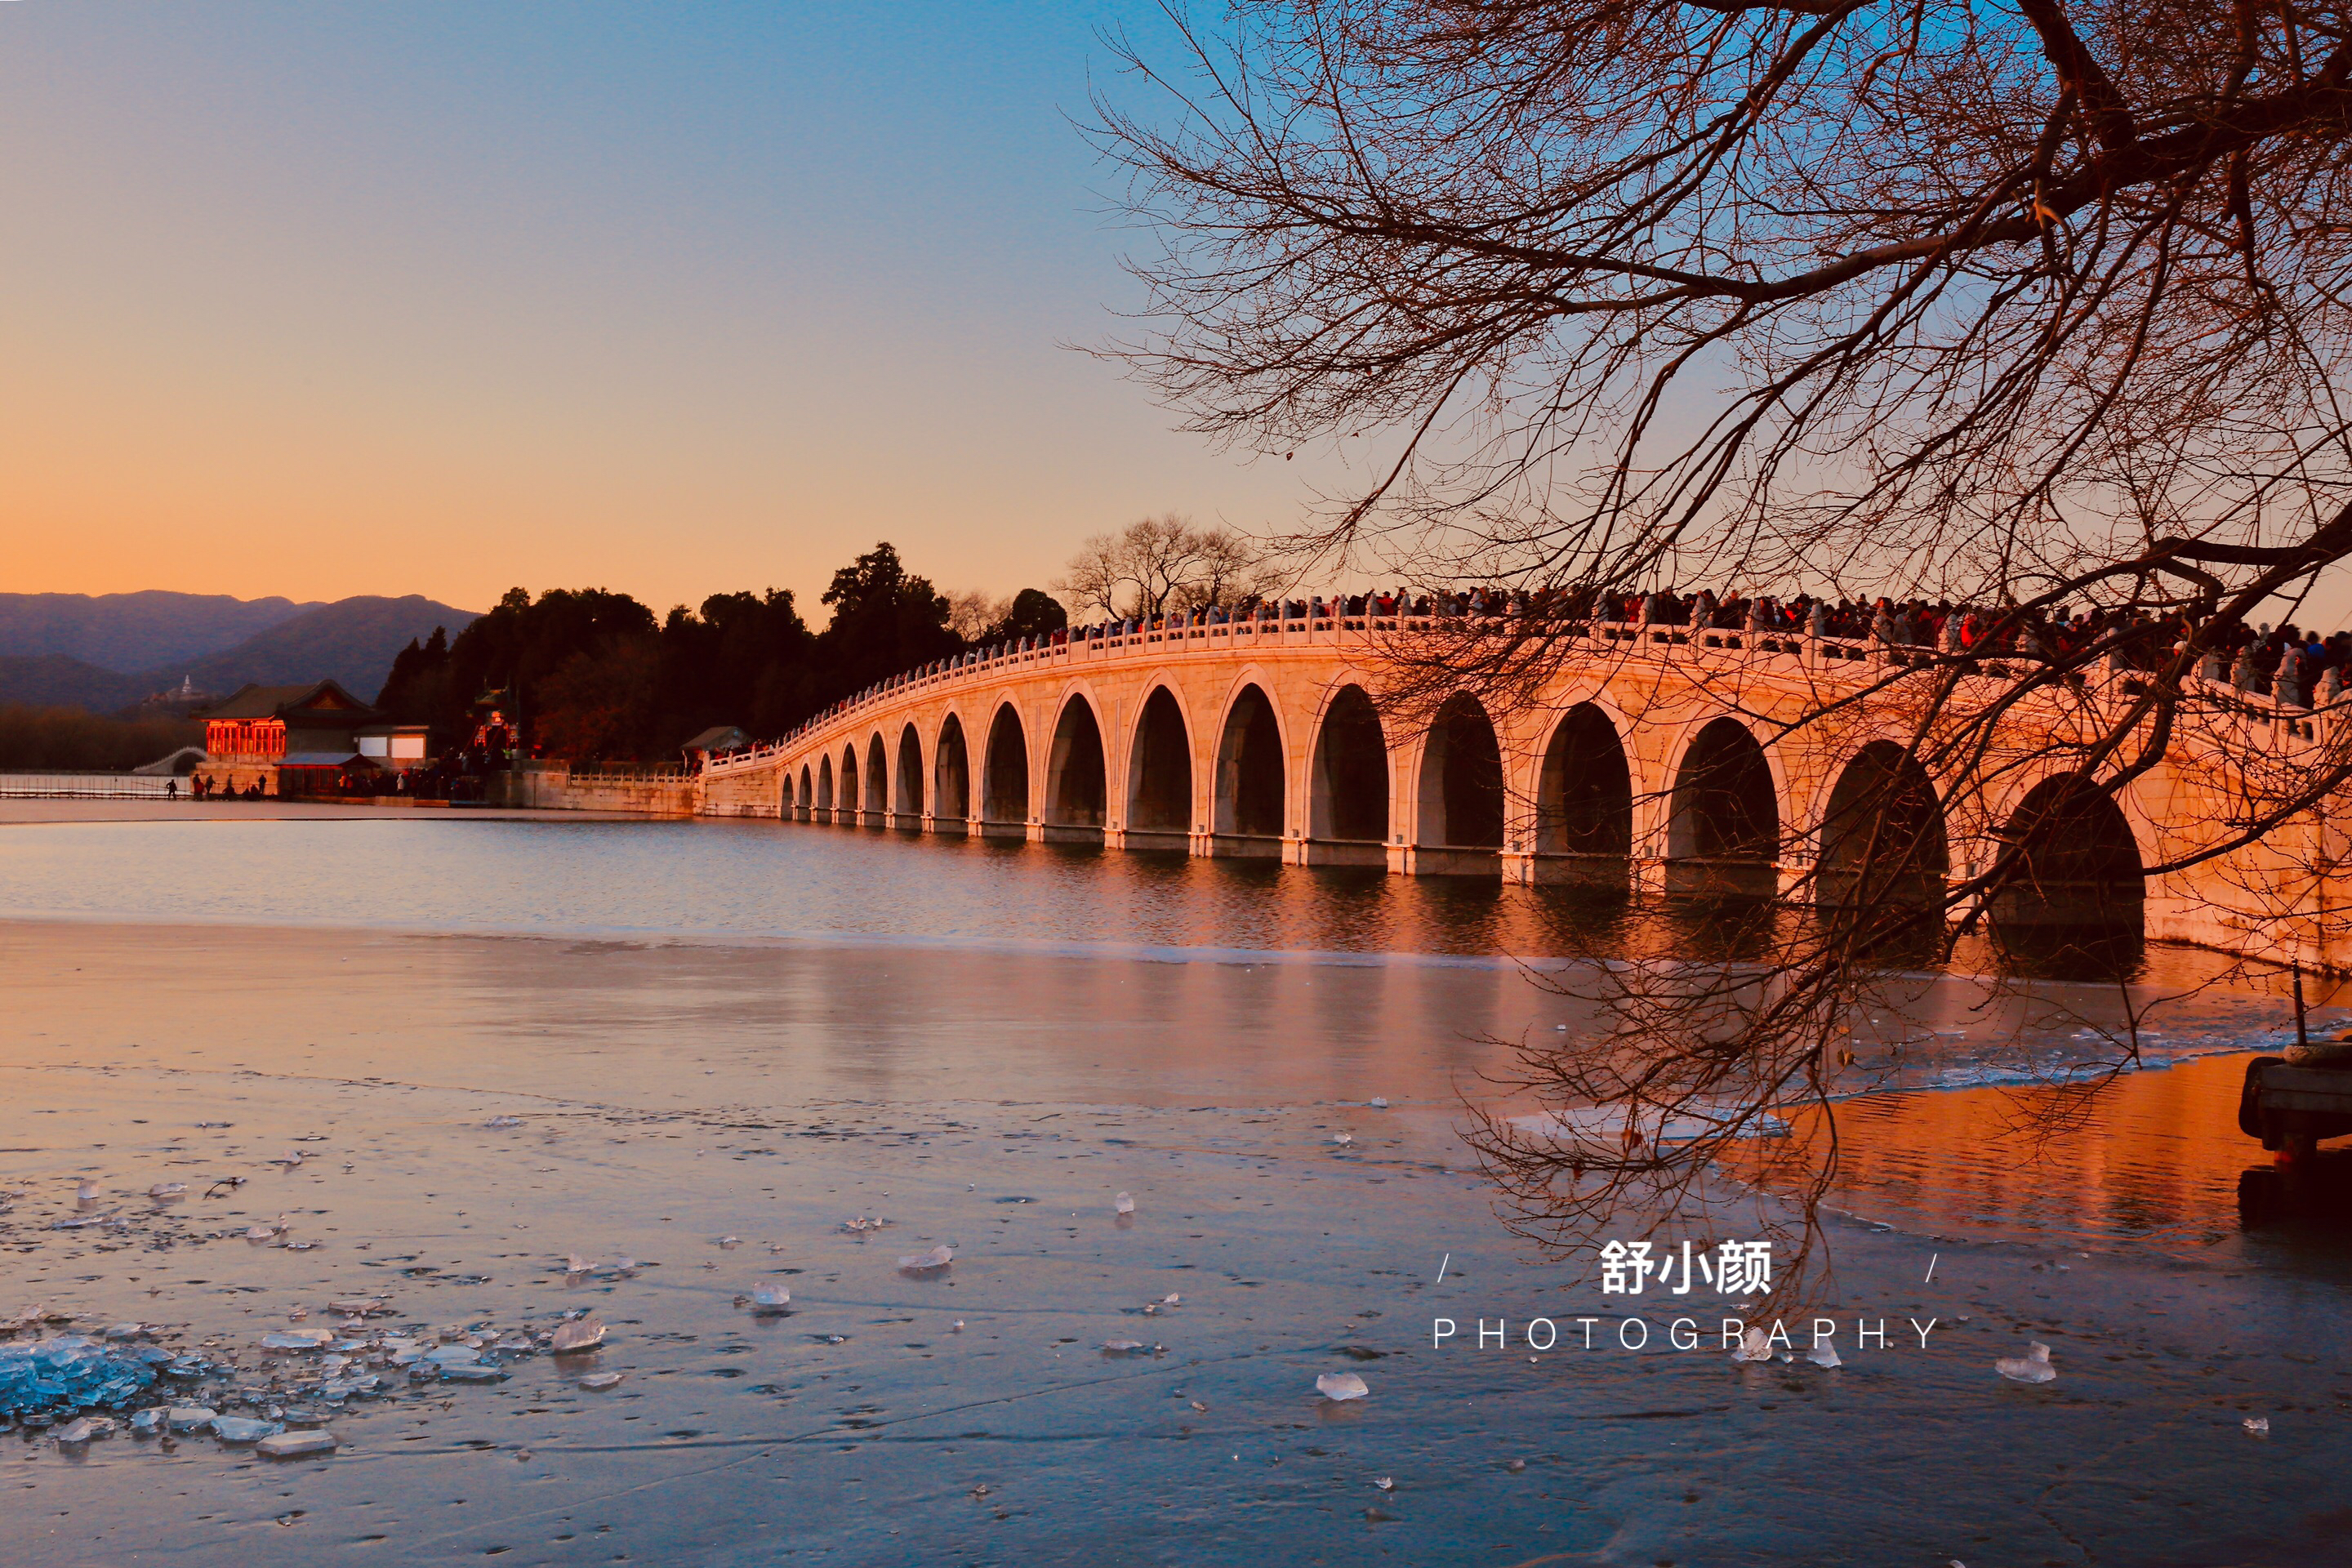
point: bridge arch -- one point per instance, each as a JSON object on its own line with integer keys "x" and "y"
{"x": 1004, "y": 771}
{"x": 1460, "y": 793}
{"x": 784, "y": 799}
{"x": 824, "y": 783}
{"x": 1252, "y": 775}
{"x": 1883, "y": 832}
{"x": 951, "y": 769}
{"x": 2073, "y": 861}
{"x": 877, "y": 781}
{"x": 808, "y": 794}
{"x": 1584, "y": 793}
{"x": 907, "y": 779}
{"x": 1348, "y": 777}
{"x": 1723, "y": 827}
{"x": 849, "y": 800}
{"x": 1159, "y": 774}
{"x": 1076, "y": 780}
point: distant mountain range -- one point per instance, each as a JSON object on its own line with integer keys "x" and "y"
{"x": 108, "y": 652}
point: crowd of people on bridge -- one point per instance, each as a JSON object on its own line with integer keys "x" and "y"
{"x": 2294, "y": 665}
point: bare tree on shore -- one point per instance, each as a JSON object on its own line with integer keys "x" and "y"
{"x": 1162, "y": 565}
{"x": 2028, "y": 309}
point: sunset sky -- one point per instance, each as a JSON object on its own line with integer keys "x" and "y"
{"x": 330, "y": 299}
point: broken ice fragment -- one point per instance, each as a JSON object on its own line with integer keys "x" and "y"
{"x": 242, "y": 1428}
{"x": 298, "y": 1339}
{"x": 356, "y": 1306}
{"x": 939, "y": 1256}
{"x": 1823, "y": 1355}
{"x": 1124, "y": 1204}
{"x": 2260, "y": 1426}
{"x": 499, "y": 1124}
{"x": 144, "y": 1423}
{"x": 294, "y": 1444}
{"x": 75, "y": 1433}
{"x": 768, "y": 1298}
{"x": 1344, "y": 1139}
{"x": 730, "y": 1242}
{"x": 1386, "y": 1483}
{"x": 600, "y": 1380}
{"x": 1380, "y": 1102}
{"x": 1340, "y": 1386}
{"x": 167, "y": 1189}
{"x": 189, "y": 1418}
{"x": 87, "y": 1192}
{"x": 2034, "y": 1366}
{"x": 472, "y": 1374}
{"x": 453, "y": 1355}
{"x": 575, "y": 1334}
{"x": 1752, "y": 1347}
{"x": 1122, "y": 1347}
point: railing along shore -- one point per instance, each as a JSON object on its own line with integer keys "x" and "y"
{"x": 88, "y": 786}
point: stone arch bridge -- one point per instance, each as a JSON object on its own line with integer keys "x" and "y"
{"x": 1671, "y": 758}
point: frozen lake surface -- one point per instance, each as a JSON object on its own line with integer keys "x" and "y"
{"x": 182, "y": 1011}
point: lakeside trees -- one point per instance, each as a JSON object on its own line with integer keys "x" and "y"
{"x": 594, "y": 676}
{"x": 2027, "y": 308}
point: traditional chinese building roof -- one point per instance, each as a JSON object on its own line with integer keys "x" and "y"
{"x": 310, "y": 705}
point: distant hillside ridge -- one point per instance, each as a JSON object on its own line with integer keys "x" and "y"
{"x": 60, "y": 680}
{"x": 133, "y": 633}
{"x": 352, "y": 640}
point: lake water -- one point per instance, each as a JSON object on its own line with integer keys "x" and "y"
{"x": 717, "y": 1041}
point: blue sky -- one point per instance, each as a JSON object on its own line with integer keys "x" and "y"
{"x": 330, "y": 299}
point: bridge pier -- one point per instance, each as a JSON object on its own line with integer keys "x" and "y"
{"x": 1149, "y": 840}
{"x": 1335, "y": 852}
{"x": 1533, "y": 869}
{"x": 1443, "y": 861}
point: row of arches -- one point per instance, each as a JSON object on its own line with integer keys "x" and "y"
{"x": 1883, "y": 831}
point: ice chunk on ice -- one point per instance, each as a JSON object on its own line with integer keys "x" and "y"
{"x": 1380, "y": 1102}
{"x": 1823, "y": 1355}
{"x": 298, "y": 1339}
{"x": 1340, "y": 1385}
{"x": 189, "y": 1418}
{"x": 453, "y": 1355}
{"x": 242, "y": 1428}
{"x": 938, "y": 1258}
{"x": 575, "y": 1334}
{"x": 87, "y": 1192}
{"x": 1123, "y": 1203}
{"x": 600, "y": 1380}
{"x": 1752, "y": 1347}
{"x": 167, "y": 1189}
{"x": 294, "y": 1444}
{"x": 499, "y": 1124}
{"x": 2260, "y": 1426}
{"x": 1123, "y": 1347}
{"x": 2034, "y": 1366}
{"x": 69, "y": 1370}
{"x": 75, "y": 1433}
{"x": 768, "y": 1298}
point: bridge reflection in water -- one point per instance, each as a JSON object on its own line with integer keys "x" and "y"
{"x": 1668, "y": 759}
